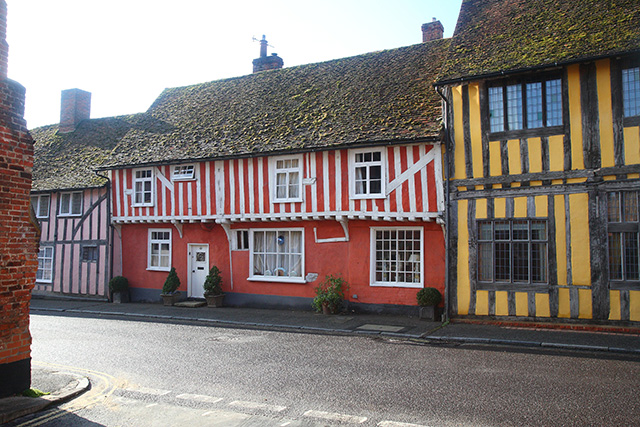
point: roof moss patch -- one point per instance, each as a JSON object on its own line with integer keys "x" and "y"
{"x": 493, "y": 36}
{"x": 379, "y": 96}
{"x": 68, "y": 160}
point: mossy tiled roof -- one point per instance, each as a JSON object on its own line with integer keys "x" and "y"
{"x": 68, "y": 160}
{"x": 494, "y": 36}
{"x": 380, "y": 96}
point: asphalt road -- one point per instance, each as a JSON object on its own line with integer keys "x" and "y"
{"x": 151, "y": 373}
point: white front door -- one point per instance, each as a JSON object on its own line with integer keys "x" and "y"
{"x": 199, "y": 268}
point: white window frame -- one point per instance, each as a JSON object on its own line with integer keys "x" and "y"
{"x": 239, "y": 241}
{"x": 287, "y": 171}
{"x": 67, "y": 209}
{"x": 275, "y": 277}
{"x": 373, "y": 260}
{"x": 37, "y": 200}
{"x": 43, "y": 257}
{"x": 135, "y": 192}
{"x": 353, "y": 164}
{"x": 151, "y": 242}
{"x": 183, "y": 172}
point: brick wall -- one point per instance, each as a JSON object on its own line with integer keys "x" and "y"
{"x": 18, "y": 232}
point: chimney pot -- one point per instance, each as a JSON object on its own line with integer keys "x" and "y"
{"x": 265, "y": 62}
{"x": 432, "y": 31}
{"x": 75, "y": 106}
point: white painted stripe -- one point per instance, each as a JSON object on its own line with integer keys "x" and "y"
{"x": 180, "y": 197}
{"x": 437, "y": 169}
{"x": 261, "y": 184}
{"x": 207, "y": 186}
{"x": 164, "y": 191}
{"x": 398, "y": 170}
{"x": 338, "y": 188}
{"x": 232, "y": 187}
{"x": 400, "y": 178}
{"x": 241, "y": 184}
{"x": 119, "y": 191}
{"x": 325, "y": 180}
{"x": 163, "y": 179}
{"x": 412, "y": 181}
{"x": 251, "y": 187}
{"x": 199, "y": 187}
{"x": 423, "y": 177}
{"x": 190, "y": 210}
{"x": 219, "y": 178}
{"x": 333, "y": 416}
{"x": 314, "y": 189}
{"x": 199, "y": 398}
{"x": 397, "y": 424}
{"x": 147, "y": 390}
{"x": 256, "y": 405}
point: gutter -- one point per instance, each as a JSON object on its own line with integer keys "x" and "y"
{"x": 447, "y": 208}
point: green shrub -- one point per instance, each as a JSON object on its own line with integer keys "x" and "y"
{"x": 118, "y": 284}
{"x": 428, "y": 297}
{"x": 330, "y": 292}
{"x": 213, "y": 282}
{"x": 172, "y": 282}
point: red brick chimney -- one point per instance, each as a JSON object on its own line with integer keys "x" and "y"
{"x": 265, "y": 62}
{"x": 75, "y": 106}
{"x": 19, "y": 233}
{"x": 432, "y": 30}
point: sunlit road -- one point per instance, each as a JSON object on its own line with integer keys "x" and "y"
{"x": 160, "y": 374}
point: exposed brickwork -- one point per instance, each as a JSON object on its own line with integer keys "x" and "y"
{"x": 265, "y": 62}
{"x": 432, "y": 31}
{"x": 19, "y": 234}
{"x": 75, "y": 107}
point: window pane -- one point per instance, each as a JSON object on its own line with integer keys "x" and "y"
{"x": 502, "y": 261}
{"x": 539, "y": 262}
{"x": 630, "y": 205}
{"x": 514, "y": 106}
{"x": 484, "y": 231}
{"x": 65, "y": 203}
{"x": 614, "y": 207}
{"x": 501, "y": 230}
{"x": 520, "y": 262}
{"x": 554, "y": 102}
{"x": 520, "y": 230}
{"x": 631, "y": 91}
{"x": 534, "y": 105}
{"x": 43, "y": 207}
{"x": 538, "y": 230}
{"x": 615, "y": 256}
{"x": 76, "y": 207}
{"x": 496, "y": 109}
{"x": 631, "y": 256}
{"x": 485, "y": 262}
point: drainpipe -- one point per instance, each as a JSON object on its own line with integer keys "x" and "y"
{"x": 447, "y": 226}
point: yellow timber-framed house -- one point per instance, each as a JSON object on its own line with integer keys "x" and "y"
{"x": 542, "y": 116}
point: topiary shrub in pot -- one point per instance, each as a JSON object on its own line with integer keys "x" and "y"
{"x": 213, "y": 288}
{"x": 428, "y": 299}
{"x": 170, "y": 294}
{"x": 330, "y": 294}
{"x": 119, "y": 287}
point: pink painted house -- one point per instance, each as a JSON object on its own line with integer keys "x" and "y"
{"x": 77, "y": 254}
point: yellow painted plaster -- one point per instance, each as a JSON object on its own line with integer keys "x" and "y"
{"x": 481, "y": 209}
{"x": 513, "y": 150}
{"x": 580, "y": 255}
{"x": 633, "y": 176}
{"x": 522, "y": 304}
{"x": 542, "y": 305}
{"x": 561, "y": 239}
{"x": 482, "y": 303}
{"x": 500, "y": 207}
{"x": 631, "y": 146}
{"x": 575, "y": 117}
{"x": 535, "y": 155}
{"x": 556, "y": 153}
{"x": 603, "y": 79}
{"x": 495, "y": 159}
{"x": 458, "y": 126}
{"x": 614, "y": 305}
{"x": 535, "y": 183}
{"x": 584, "y": 299}
{"x": 464, "y": 287}
{"x": 542, "y": 206}
{"x": 609, "y": 178}
{"x": 520, "y": 207}
{"x": 634, "y": 306}
{"x": 475, "y": 131}
{"x": 502, "y": 303}
{"x": 564, "y": 307}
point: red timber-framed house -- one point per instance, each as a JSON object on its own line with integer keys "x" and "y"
{"x": 543, "y": 119}
{"x": 284, "y": 176}
{"x": 72, "y": 201}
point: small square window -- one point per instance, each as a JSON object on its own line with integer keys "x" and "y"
{"x": 40, "y": 205}
{"x": 90, "y": 254}
{"x": 241, "y": 240}
{"x": 183, "y": 172}
{"x": 287, "y": 180}
{"x": 367, "y": 175}
{"x": 71, "y": 203}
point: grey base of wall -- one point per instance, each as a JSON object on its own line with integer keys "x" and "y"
{"x": 277, "y": 302}
{"x": 16, "y": 377}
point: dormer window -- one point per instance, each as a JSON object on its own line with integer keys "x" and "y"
{"x": 535, "y": 104}
{"x": 183, "y": 172}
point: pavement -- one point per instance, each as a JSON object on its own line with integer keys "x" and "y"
{"x": 571, "y": 337}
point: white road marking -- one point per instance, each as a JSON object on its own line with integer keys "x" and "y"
{"x": 146, "y": 390}
{"x": 255, "y": 405}
{"x": 199, "y": 398}
{"x": 397, "y": 424}
{"x": 335, "y": 417}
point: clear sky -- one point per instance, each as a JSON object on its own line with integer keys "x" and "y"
{"x": 125, "y": 52}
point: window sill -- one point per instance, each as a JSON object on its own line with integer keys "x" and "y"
{"x": 397, "y": 285}
{"x": 61, "y": 215}
{"x": 299, "y": 200}
{"x": 277, "y": 279}
{"x": 140, "y": 205}
{"x": 158, "y": 269}
{"x": 367, "y": 196}
{"x": 43, "y": 282}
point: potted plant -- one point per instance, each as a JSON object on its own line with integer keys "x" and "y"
{"x": 428, "y": 299}
{"x": 330, "y": 294}
{"x": 213, "y": 288}
{"x": 170, "y": 294}
{"x": 119, "y": 287}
